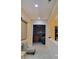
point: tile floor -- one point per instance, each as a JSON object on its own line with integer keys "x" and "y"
{"x": 44, "y": 52}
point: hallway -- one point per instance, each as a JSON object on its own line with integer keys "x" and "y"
{"x": 59, "y": 39}
{"x": 44, "y": 52}
{"x": 45, "y": 13}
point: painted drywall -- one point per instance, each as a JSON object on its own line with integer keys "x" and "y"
{"x": 53, "y": 21}
{"x": 23, "y": 30}
{"x": 52, "y": 25}
{"x": 29, "y": 33}
{"x": 29, "y": 27}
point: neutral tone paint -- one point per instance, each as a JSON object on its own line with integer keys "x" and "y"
{"x": 43, "y": 11}
{"x": 23, "y": 30}
{"x": 29, "y": 28}
{"x": 53, "y": 21}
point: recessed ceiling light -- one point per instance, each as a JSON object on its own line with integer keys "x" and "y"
{"x": 36, "y": 5}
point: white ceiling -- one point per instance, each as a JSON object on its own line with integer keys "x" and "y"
{"x": 43, "y": 10}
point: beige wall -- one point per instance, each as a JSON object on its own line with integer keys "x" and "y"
{"x": 23, "y": 30}
{"x": 53, "y": 21}
{"x": 29, "y": 27}
{"x": 29, "y": 33}
{"x": 52, "y": 24}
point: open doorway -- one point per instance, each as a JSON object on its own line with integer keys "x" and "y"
{"x": 39, "y": 34}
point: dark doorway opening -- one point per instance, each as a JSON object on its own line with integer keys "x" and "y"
{"x": 39, "y": 34}
{"x": 56, "y": 33}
